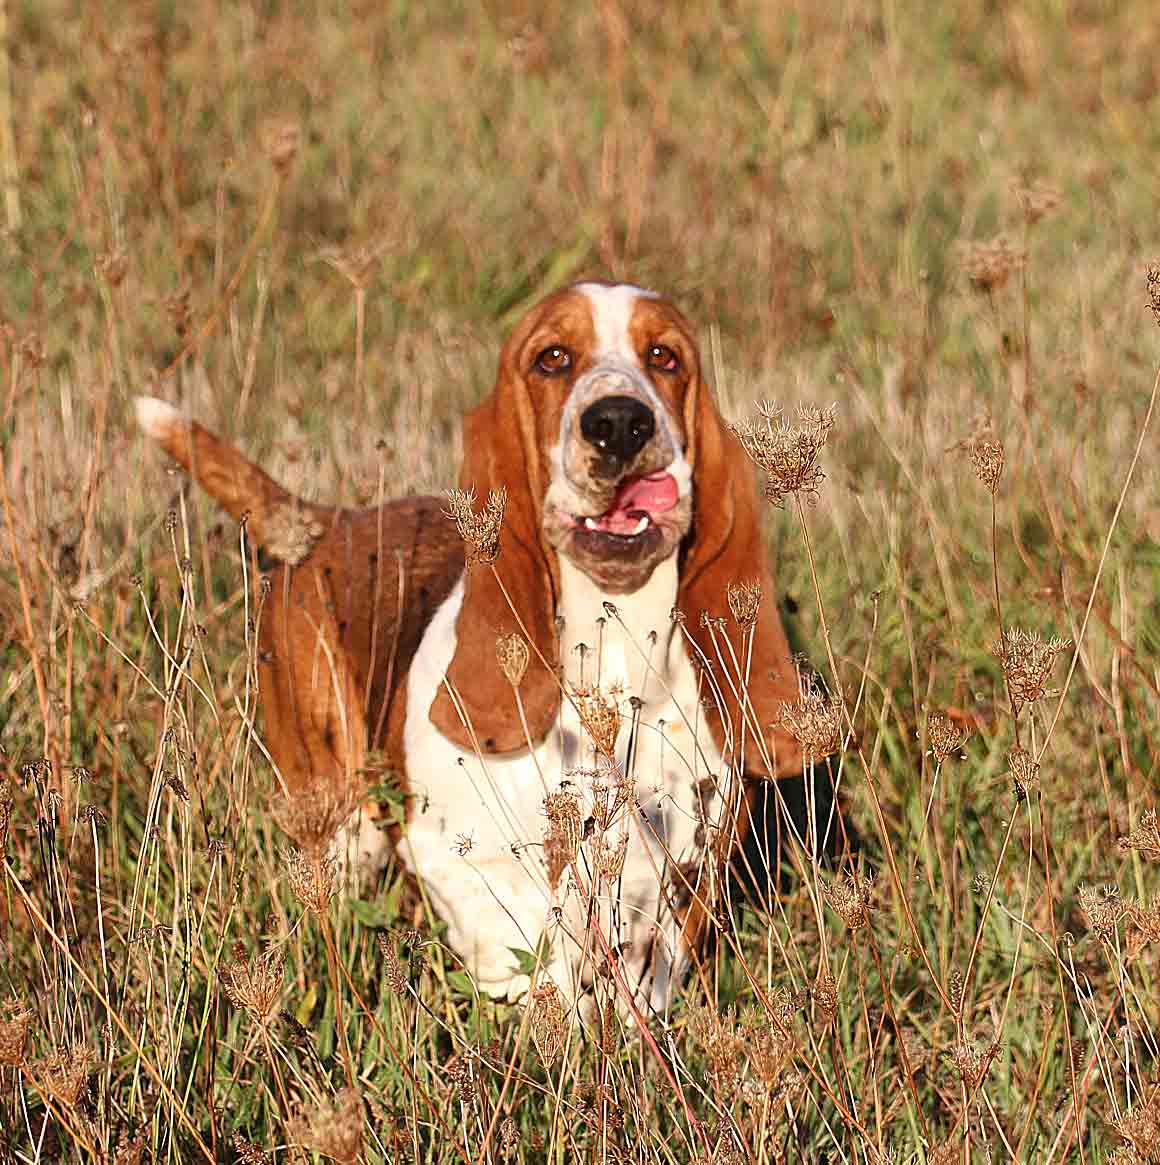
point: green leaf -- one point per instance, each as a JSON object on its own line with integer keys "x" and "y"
{"x": 460, "y": 982}
{"x": 305, "y": 1009}
{"x": 525, "y": 960}
{"x": 371, "y": 913}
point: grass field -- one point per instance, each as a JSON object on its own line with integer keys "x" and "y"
{"x": 311, "y": 225}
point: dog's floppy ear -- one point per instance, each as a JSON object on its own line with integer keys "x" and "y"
{"x": 475, "y": 707}
{"x": 725, "y": 547}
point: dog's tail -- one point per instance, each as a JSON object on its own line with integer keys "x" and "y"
{"x": 232, "y": 480}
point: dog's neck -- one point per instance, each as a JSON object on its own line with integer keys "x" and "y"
{"x": 625, "y": 645}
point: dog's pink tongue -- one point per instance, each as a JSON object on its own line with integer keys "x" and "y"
{"x": 653, "y": 495}
{"x": 644, "y": 495}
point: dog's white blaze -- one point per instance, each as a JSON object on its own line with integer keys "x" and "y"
{"x": 612, "y": 309}
{"x": 493, "y": 899}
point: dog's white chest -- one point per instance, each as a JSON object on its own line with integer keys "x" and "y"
{"x": 478, "y": 824}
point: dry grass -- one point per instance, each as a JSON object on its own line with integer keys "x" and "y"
{"x": 311, "y": 225}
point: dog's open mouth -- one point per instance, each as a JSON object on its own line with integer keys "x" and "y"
{"x": 639, "y": 501}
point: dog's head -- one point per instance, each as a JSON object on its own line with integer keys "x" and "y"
{"x": 613, "y": 454}
{"x": 608, "y": 373}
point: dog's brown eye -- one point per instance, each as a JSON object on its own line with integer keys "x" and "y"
{"x": 663, "y": 359}
{"x": 553, "y": 360}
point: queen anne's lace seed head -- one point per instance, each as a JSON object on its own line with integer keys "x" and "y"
{"x": 479, "y": 531}
{"x": 815, "y": 722}
{"x": 989, "y": 265}
{"x": 15, "y": 1033}
{"x": 549, "y": 1023}
{"x": 511, "y": 651}
{"x": 744, "y": 600}
{"x": 1027, "y": 659}
{"x": 987, "y": 460}
{"x": 945, "y": 736}
{"x": 255, "y": 984}
{"x": 1102, "y": 909}
{"x": 1024, "y": 772}
{"x": 851, "y": 898}
{"x": 1145, "y": 838}
{"x": 785, "y": 452}
{"x": 332, "y": 1128}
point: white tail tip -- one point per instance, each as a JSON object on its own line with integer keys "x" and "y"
{"x": 156, "y": 417}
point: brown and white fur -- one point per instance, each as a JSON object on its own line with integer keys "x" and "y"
{"x": 377, "y": 637}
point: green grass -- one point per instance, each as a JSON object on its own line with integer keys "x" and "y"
{"x": 800, "y": 179}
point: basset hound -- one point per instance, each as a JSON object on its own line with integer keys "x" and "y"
{"x": 585, "y": 808}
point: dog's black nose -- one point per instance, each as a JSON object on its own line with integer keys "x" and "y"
{"x": 618, "y": 426}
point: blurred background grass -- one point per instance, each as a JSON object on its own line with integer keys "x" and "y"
{"x": 340, "y": 209}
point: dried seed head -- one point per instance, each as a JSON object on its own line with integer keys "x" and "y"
{"x": 608, "y": 860}
{"x": 611, "y": 791}
{"x": 564, "y": 832}
{"x": 313, "y": 877}
{"x": 512, "y": 653}
{"x": 112, "y": 266}
{"x": 609, "y": 1027}
{"x": 549, "y": 1024}
{"x": 972, "y": 1063}
{"x": 945, "y": 736}
{"x": 129, "y": 1150}
{"x": 1037, "y": 200}
{"x": 1154, "y": 289}
{"x": 744, "y": 601}
{"x": 509, "y": 1140}
{"x": 563, "y": 810}
{"x": 392, "y": 968}
{"x": 313, "y": 816}
{"x": 334, "y": 1129}
{"x": 787, "y": 453}
{"x": 461, "y": 1072}
{"x": 783, "y": 1004}
{"x": 15, "y": 1033}
{"x": 557, "y": 858}
{"x": 247, "y": 1152}
{"x": 1144, "y": 919}
{"x": 957, "y": 991}
{"x": 1139, "y": 1129}
{"x": 479, "y": 531}
{"x": 177, "y": 787}
{"x": 280, "y": 141}
{"x": 1145, "y": 838}
{"x": 600, "y": 717}
{"x": 771, "y": 1052}
{"x": 824, "y": 993}
{"x": 948, "y": 1153}
{"x": 1102, "y": 909}
{"x": 6, "y": 804}
{"x": 65, "y": 1074}
{"x": 1027, "y": 660}
{"x": 723, "y": 1044}
{"x": 178, "y": 309}
{"x": 290, "y": 532}
{"x": 255, "y": 984}
{"x": 987, "y": 459}
{"x": 815, "y": 722}
{"x": 850, "y": 897}
{"x": 989, "y": 265}
{"x": 32, "y": 350}
{"x": 1024, "y": 772}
